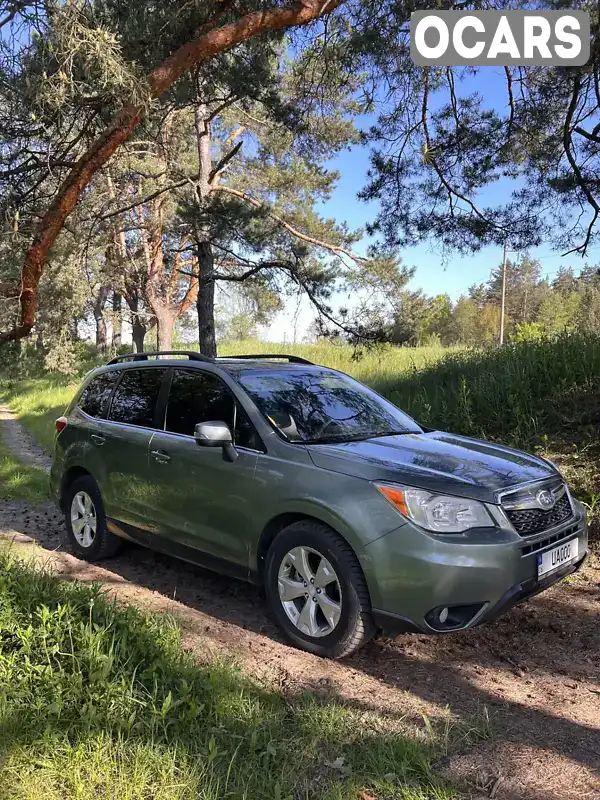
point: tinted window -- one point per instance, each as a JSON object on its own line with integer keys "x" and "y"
{"x": 135, "y": 397}
{"x": 201, "y": 397}
{"x": 245, "y": 432}
{"x": 96, "y": 395}
{"x": 323, "y": 406}
{"x": 197, "y": 397}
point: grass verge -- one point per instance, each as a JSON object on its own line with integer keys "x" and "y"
{"x": 98, "y": 701}
{"x": 38, "y": 402}
{"x": 20, "y": 481}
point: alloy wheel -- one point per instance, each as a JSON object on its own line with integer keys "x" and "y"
{"x": 310, "y": 592}
{"x": 83, "y": 519}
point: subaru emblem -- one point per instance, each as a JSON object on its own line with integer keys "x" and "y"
{"x": 545, "y": 499}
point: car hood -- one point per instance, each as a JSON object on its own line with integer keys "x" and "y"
{"x": 437, "y": 461}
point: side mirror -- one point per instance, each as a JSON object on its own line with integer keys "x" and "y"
{"x": 216, "y": 434}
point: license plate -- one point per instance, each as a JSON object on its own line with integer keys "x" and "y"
{"x": 557, "y": 557}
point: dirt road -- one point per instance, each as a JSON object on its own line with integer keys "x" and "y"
{"x": 535, "y": 673}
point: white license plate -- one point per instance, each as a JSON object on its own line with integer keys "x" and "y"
{"x": 557, "y": 557}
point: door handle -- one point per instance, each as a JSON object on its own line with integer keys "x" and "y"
{"x": 98, "y": 440}
{"x": 160, "y": 456}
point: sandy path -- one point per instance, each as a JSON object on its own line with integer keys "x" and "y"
{"x": 16, "y": 438}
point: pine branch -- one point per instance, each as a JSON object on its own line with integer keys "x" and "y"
{"x": 224, "y": 161}
{"x": 332, "y": 248}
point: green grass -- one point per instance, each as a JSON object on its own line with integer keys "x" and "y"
{"x": 101, "y": 702}
{"x": 38, "y": 402}
{"x": 20, "y": 481}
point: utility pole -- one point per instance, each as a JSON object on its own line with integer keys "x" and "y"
{"x": 503, "y": 297}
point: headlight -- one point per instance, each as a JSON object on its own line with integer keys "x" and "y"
{"x": 436, "y": 512}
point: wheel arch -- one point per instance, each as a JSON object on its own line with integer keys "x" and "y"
{"x": 278, "y": 523}
{"x": 67, "y": 479}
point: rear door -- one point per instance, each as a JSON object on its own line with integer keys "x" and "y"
{"x": 119, "y": 454}
{"x": 198, "y": 500}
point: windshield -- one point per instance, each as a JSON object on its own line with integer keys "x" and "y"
{"x": 319, "y": 407}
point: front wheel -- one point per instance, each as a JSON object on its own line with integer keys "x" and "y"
{"x": 317, "y": 591}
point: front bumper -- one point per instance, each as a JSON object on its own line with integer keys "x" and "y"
{"x": 481, "y": 576}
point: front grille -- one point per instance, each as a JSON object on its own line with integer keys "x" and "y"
{"x": 556, "y": 538}
{"x": 528, "y": 521}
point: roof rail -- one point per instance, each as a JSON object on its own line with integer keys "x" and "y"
{"x": 144, "y": 356}
{"x": 291, "y": 359}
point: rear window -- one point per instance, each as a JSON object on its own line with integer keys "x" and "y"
{"x": 95, "y": 397}
{"x": 134, "y": 400}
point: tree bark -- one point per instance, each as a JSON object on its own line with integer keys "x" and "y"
{"x": 165, "y": 321}
{"x": 208, "y": 42}
{"x": 117, "y": 331}
{"x": 139, "y": 328}
{"x": 205, "y": 302}
{"x": 101, "y": 330}
{"x": 138, "y": 334}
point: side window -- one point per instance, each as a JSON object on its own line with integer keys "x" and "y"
{"x": 197, "y": 397}
{"x": 134, "y": 400}
{"x": 96, "y": 395}
{"x": 245, "y": 432}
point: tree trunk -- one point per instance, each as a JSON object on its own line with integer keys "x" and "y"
{"x": 101, "y": 331}
{"x": 165, "y": 321}
{"x": 139, "y": 329}
{"x": 117, "y": 331}
{"x": 138, "y": 334}
{"x": 205, "y": 302}
{"x": 208, "y": 41}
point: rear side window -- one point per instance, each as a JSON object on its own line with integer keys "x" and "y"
{"x": 134, "y": 400}
{"x": 95, "y": 397}
{"x": 201, "y": 397}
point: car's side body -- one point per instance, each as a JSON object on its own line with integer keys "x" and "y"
{"x": 164, "y": 491}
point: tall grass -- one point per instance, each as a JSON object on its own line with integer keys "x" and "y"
{"x": 38, "y": 402}
{"x": 368, "y": 366}
{"x": 101, "y": 702}
{"x": 518, "y": 394}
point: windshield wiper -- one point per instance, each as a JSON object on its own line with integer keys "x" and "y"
{"x": 392, "y": 433}
{"x": 363, "y": 437}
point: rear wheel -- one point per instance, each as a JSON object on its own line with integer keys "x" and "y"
{"x": 317, "y": 591}
{"x": 87, "y": 533}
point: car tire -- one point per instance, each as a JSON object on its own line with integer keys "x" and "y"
{"x": 335, "y": 603}
{"x": 87, "y": 534}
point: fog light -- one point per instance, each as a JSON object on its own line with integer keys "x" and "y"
{"x": 448, "y": 618}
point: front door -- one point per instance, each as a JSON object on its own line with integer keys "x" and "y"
{"x": 200, "y": 502}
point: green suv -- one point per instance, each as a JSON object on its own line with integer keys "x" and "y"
{"x": 351, "y": 515}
